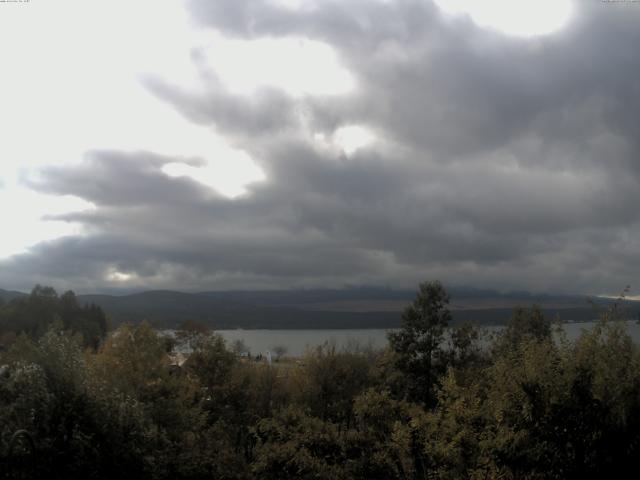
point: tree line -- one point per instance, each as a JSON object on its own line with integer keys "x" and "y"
{"x": 440, "y": 402}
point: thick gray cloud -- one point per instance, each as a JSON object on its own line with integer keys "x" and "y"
{"x": 502, "y": 162}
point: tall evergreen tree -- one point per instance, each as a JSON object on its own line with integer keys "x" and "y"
{"x": 417, "y": 345}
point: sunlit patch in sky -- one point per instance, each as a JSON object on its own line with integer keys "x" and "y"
{"x": 297, "y": 66}
{"x": 352, "y": 137}
{"x": 347, "y": 139}
{"x": 114, "y": 275}
{"x": 229, "y": 182}
{"x": 513, "y": 17}
{"x": 25, "y": 216}
{"x": 291, "y": 4}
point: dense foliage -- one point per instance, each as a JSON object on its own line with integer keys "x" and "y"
{"x": 34, "y": 314}
{"x": 438, "y": 403}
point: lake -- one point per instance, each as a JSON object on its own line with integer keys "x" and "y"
{"x": 296, "y": 341}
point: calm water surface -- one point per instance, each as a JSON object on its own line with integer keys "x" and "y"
{"x": 296, "y": 341}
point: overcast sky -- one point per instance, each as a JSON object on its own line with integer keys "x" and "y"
{"x": 207, "y": 145}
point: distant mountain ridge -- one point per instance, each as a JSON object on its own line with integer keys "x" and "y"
{"x": 8, "y": 295}
{"x": 358, "y": 307}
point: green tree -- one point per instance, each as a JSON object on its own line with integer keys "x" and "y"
{"x": 417, "y": 345}
{"x": 280, "y": 351}
{"x": 35, "y": 313}
{"x": 329, "y": 382}
{"x": 525, "y": 324}
{"x": 210, "y": 361}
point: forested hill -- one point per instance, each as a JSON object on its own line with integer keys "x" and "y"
{"x": 7, "y": 295}
{"x": 325, "y": 308}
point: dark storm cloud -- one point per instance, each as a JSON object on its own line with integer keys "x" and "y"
{"x": 501, "y": 161}
{"x": 111, "y": 178}
{"x": 264, "y": 113}
{"x": 457, "y": 90}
